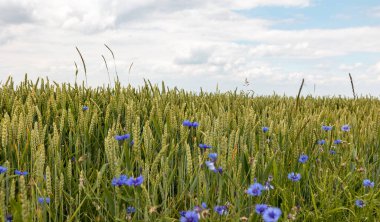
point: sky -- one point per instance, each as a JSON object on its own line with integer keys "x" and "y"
{"x": 194, "y": 44}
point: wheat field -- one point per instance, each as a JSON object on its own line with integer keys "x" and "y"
{"x": 76, "y": 153}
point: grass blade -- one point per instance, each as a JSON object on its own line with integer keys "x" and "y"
{"x": 84, "y": 64}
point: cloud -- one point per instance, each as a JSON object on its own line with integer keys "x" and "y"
{"x": 180, "y": 42}
{"x": 247, "y": 4}
{"x": 98, "y": 15}
{"x": 315, "y": 43}
{"x": 350, "y": 67}
{"x": 15, "y": 13}
{"x": 9, "y": 33}
{"x": 195, "y": 57}
{"x": 288, "y": 50}
{"x": 375, "y": 12}
{"x": 376, "y": 69}
{"x": 83, "y": 16}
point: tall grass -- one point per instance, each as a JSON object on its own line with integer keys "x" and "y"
{"x": 71, "y": 155}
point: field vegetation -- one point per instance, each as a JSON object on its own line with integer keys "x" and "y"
{"x": 76, "y": 153}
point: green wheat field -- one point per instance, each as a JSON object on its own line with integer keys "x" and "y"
{"x": 76, "y": 153}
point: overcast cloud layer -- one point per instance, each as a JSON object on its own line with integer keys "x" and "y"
{"x": 194, "y": 44}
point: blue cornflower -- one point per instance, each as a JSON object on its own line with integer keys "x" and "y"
{"x": 338, "y": 141}
{"x": 332, "y": 152}
{"x": 327, "y": 128}
{"x": 131, "y": 143}
{"x": 303, "y": 158}
{"x": 210, "y": 165}
{"x": 360, "y": 203}
{"x": 268, "y": 186}
{"x": 135, "y": 181}
{"x": 9, "y": 218}
{"x": 265, "y": 129}
{"x": 42, "y": 200}
{"x": 294, "y": 177}
{"x": 131, "y": 210}
{"x": 126, "y": 136}
{"x": 122, "y": 137}
{"x": 20, "y": 173}
{"x": 3, "y": 169}
{"x": 187, "y": 123}
{"x": 219, "y": 170}
{"x": 114, "y": 182}
{"x": 220, "y": 210}
{"x": 321, "y": 142}
{"x": 272, "y": 214}
{"x": 190, "y": 124}
{"x": 195, "y": 124}
{"x": 198, "y": 209}
{"x": 201, "y": 208}
{"x": 213, "y": 156}
{"x": 346, "y": 128}
{"x": 255, "y": 189}
{"x": 122, "y": 180}
{"x": 260, "y": 208}
{"x": 84, "y": 108}
{"x": 204, "y": 146}
{"x": 189, "y": 216}
{"x": 368, "y": 183}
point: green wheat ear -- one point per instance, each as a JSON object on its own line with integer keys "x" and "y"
{"x": 23, "y": 199}
{"x": 69, "y": 174}
{"x": 2, "y": 197}
{"x": 40, "y": 163}
{"x": 12, "y": 190}
{"x": 189, "y": 161}
{"x": 60, "y": 188}
{"x": 48, "y": 181}
{"x": 4, "y": 133}
{"x": 136, "y": 138}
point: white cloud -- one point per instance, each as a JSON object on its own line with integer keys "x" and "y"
{"x": 13, "y": 12}
{"x": 350, "y": 67}
{"x": 96, "y": 15}
{"x": 376, "y": 69}
{"x": 316, "y": 43}
{"x": 375, "y": 12}
{"x": 288, "y": 50}
{"x": 197, "y": 56}
{"x": 256, "y": 3}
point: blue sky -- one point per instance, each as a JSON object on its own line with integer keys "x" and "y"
{"x": 198, "y": 44}
{"x": 320, "y": 14}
